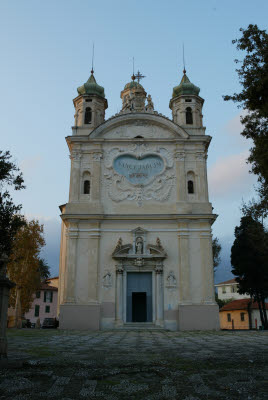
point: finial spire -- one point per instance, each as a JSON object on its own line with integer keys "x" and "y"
{"x": 184, "y": 70}
{"x": 139, "y": 76}
{"x": 133, "y": 75}
{"x": 92, "y": 69}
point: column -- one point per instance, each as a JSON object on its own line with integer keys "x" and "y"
{"x": 159, "y": 294}
{"x": 119, "y": 295}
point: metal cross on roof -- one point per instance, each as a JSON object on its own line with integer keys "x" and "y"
{"x": 139, "y": 76}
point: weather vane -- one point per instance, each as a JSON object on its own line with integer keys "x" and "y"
{"x": 139, "y": 76}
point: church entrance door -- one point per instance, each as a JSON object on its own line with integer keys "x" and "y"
{"x": 139, "y": 303}
{"x": 139, "y": 297}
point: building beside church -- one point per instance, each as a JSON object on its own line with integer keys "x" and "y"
{"x": 136, "y": 232}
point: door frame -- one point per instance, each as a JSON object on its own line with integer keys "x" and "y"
{"x": 129, "y": 270}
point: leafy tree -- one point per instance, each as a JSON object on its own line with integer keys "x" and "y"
{"x": 10, "y": 219}
{"x": 253, "y": 76}
{"x": 25, "y": 267}
{"x": 249, "y": 258}
{"x": 216, "y": 249}
{"x": 43, "y": 269}
{"x": 221, "y": 302}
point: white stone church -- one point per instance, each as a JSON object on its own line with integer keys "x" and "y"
{"x": 136, "y": 246}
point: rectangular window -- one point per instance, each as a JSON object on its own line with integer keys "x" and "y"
{"x": 242, "y": 316}
{"x": 229, "y": 317}
{"x": 47, "y": 309}
{"x": 36, "y": 310}
{"x": 224, "y": 289}
{"x": 38, "y": 294}
{"x": 48, "y": 296}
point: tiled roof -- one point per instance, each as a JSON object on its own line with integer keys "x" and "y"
{"x": 241, "y": 304}
{"x": 45, "y": 286}
{"x": 226, "y": 282}
{"x": 53, "y": 277}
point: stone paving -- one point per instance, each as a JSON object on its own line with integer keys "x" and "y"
{"x": 135, "y": 364}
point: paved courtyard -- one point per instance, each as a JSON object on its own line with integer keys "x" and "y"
{"x": 135, "y": 364}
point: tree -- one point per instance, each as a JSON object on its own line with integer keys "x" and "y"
{"x": 249, "y": 258}
{"x": 221, "y": 302}
{"x": 43, "y": 269}
{"x": 216, "y": 249}
{"x": 10, "y": 219}
{"x": 253, "y": 76}
{"x": 25, "y": 267}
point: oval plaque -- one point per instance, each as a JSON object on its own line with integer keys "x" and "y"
{"x": 139, "y": 170}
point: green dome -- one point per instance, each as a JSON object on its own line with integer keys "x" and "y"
{"x": 185, "y": 87}
{"x": 132, "y": 85}
{"x": 91, "y": 87}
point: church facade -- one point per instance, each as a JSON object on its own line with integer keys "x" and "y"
{"x": 136, "y": 243}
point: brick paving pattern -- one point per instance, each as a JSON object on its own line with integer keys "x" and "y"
{"x": 135, "y": 364}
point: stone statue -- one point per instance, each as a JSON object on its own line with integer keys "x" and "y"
{"x": 159, "y": 244}
{"x": 139, "y": 245}
{"x": 150, "y": 105}
{"x": 119, "y": 244}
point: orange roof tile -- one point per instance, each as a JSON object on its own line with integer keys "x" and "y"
{"x": 226, "y": 282}
{"x": 241, "y": 304}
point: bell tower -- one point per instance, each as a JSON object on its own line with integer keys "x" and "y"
{"x": 186, "y": 105}
{"x": 90, "y": 106}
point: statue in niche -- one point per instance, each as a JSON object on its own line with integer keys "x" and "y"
{"x": 107, "y": 279}
{"x": 139, "y": 245}
{"x": 171, "y": 279}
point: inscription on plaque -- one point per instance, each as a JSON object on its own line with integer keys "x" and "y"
{"x": 139, "y": 170}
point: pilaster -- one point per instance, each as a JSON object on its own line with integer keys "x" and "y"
{"x": 184, "y": 266}
{"x": 180, "y": 173}
{"x": 70, "y": 272}
{"x": 96, "y": 175}
{"x": 75, "y": 157}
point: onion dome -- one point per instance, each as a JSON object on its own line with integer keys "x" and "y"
{"x": 185, "y": 87}
{"x": 91, "y": 87}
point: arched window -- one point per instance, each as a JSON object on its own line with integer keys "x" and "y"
{"x": 86, "y": 187}
{"x": 189, "y": 116}
{"x": 88, "y": 115}
{"x": 190, "y": 187}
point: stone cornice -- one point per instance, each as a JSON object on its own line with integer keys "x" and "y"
{"x": 140, "y": 217}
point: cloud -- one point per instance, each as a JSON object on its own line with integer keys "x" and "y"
{"x": 234, "y": 128}
{"x": 230, "y": 175}
{"x": 29, "y": 165}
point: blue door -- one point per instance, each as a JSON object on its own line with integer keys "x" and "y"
{"x": 139, "y": 297}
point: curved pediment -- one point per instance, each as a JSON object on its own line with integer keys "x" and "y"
{"x": 139, "y": 125}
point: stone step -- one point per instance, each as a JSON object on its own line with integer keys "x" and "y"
{"x": 141, "y": 326}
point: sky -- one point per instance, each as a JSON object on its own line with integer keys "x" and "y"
{"x": 46, "y": 53}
